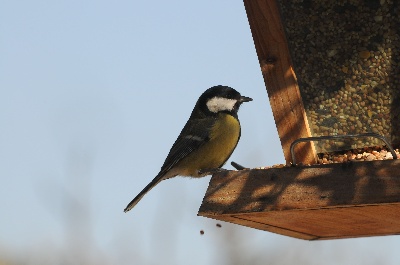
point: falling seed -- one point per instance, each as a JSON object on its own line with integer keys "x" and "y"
{"x": 218, "y": 225}
{"x": 201, "y": 232}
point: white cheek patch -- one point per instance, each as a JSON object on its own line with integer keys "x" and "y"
{"x": 217, "y": 104}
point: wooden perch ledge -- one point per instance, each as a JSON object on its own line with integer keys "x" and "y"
{"x": 310, "y": 202}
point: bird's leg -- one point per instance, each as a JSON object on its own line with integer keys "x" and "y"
{"x": 210, "y": 171}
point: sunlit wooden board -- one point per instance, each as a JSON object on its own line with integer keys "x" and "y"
{"x": 310, "y": 202}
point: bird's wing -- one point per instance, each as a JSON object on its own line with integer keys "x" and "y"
{"x": 193, "y": 135}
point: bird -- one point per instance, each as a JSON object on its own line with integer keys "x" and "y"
{"x": 206, "y": 141}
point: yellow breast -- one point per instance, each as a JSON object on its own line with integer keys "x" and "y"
{"x": 213, "y": 154}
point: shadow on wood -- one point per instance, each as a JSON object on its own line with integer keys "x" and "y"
{"x": 279, "y": 77}
{"x": 311, "y": 202}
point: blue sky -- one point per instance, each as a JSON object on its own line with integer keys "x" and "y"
{"x": 92, "y": 96}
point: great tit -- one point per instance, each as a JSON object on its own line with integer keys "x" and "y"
{"x": 207, "y": 140}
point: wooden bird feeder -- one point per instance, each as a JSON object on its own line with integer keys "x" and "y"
{"x": 330, "y": 68}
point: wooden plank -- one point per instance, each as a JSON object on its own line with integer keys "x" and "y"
{"x": 316, "y": 202}
{"x": 280, "y": 79}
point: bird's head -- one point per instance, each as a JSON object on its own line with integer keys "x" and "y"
{"x": 221, "y": 99}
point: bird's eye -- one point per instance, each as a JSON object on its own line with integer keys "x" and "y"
{"x": 231, "y": 95}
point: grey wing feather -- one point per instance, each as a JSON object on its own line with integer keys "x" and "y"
{"x": 193, "y": 135}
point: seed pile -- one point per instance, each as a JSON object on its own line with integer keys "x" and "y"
{"x": 362, "y": 154}
{"x": 346, "y": 56}
{"x": 354, "y": 155}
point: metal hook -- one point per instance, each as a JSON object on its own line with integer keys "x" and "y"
{"x": 329, "y": 137}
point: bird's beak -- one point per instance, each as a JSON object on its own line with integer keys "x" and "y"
{"x": 244, "y": 99}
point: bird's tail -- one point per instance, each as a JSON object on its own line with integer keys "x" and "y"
{"x": 146, "y": 189}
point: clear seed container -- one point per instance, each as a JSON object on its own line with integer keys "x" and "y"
{"x": 346, "y": 56}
